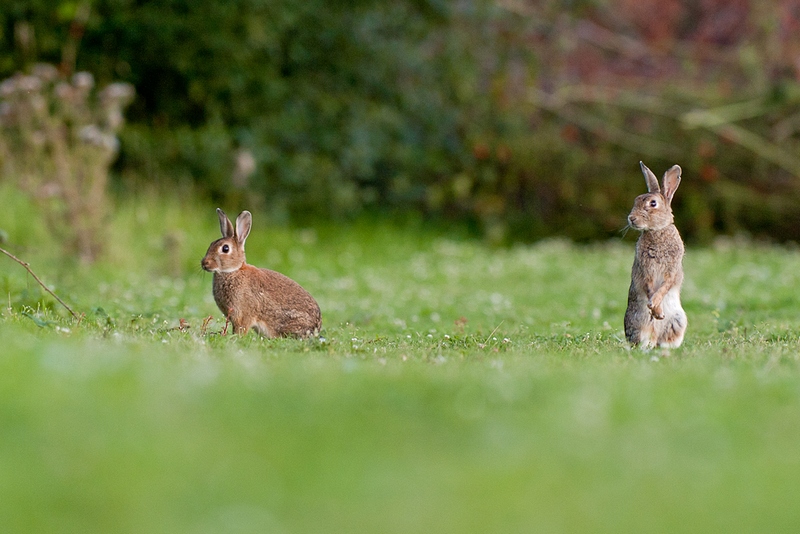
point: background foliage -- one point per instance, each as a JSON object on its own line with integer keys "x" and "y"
{"x": 523, "y": 118}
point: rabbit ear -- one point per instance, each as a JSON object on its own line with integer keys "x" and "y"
{"x": 650, "y": 178}
{"x": 225, "y": 225}
{"x": 243, "y": 223}
{"x": 672, "y": 179}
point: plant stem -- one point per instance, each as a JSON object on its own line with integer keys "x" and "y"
{"x": 28, "y": 268}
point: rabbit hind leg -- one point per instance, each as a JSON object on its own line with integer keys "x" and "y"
{"x": 673, "y": 327}
{"x": 673, "y": 330}
{"x": 645, "y": 336}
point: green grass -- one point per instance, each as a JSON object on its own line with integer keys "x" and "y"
{"x": 458, "y": 388}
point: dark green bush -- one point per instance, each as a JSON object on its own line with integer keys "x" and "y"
{"x": 337, "y": 102}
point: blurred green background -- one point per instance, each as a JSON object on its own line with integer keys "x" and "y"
{"x": 516, "y": 119}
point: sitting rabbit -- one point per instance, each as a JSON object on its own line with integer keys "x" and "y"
{"x": 250, "y": 297}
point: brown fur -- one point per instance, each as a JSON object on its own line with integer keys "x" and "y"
{"x": 267, "y": 301}
{"x": 654, "y": 316}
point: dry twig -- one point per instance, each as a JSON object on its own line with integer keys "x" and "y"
{"x": 204, "y": 328}
{"x": 28, "y": 268}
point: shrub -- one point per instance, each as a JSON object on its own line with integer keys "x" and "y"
{"x": 58, "y": 140}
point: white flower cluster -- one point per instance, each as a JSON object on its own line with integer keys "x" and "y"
{"x": 35, "y": 106}
{"x": 58, "y": 140}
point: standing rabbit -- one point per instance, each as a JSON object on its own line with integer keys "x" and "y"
{"x": 271, "y": 303}
{"x": 654, "y": 316}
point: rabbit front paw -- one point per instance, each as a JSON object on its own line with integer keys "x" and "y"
{"x": 655, "y": 310}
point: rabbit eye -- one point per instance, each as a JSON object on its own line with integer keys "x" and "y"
{"x": 653, "y": 203}
{"x": 225, "y": 249}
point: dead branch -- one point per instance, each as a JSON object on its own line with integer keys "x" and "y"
{"x": 602, "y": 128}
{"x": 204, "y": 328}
{"x": 717, "y": 122}
{"x": 28, "y": 268}
{"x": 77, "y": 27}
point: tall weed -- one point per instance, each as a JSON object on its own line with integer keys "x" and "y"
{"x": 58, "y": 139}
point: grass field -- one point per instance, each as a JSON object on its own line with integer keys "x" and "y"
{"x": 457, "y": 388}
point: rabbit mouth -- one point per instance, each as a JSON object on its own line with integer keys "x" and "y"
{"x": 636, "y": 224}
{"x": 207, "y": 267}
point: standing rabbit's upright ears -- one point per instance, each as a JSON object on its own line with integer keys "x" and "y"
{"x": 672, "y": 179}
{"x": 225, "y": 225}
{"x": 650, "y": 178}
{"x": 243, "y": 224}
